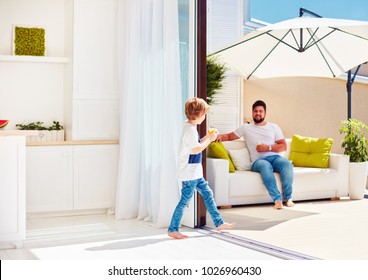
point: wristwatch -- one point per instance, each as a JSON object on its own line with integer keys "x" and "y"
{"x": 270, "y": 148}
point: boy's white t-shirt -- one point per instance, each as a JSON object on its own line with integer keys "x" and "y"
{"x": 190, "y": 165}
{"x": 255, "y": 134}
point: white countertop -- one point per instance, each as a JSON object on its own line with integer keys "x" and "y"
{"x": 74, "y": 143}
{"x": 15, "y": 132}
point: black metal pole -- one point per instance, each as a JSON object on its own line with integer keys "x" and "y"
{"x": 348, "y": 88}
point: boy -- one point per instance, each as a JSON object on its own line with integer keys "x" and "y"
{"x": 190, "y": 168}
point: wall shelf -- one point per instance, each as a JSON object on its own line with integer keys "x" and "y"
{"x": 37, "y": 59}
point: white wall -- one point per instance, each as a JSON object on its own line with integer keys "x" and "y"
{"x": 32, "y": 91}
{"x": 48, "y": 14}
{"x": 311, "y": 107}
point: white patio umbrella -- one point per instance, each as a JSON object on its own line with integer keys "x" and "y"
{"x": 303, "y": 46}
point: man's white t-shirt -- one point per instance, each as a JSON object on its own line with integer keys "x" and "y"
{"x": 255, "y": 134}
{"x": 190, "y": 165}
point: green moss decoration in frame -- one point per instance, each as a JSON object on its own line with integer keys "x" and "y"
{"x": 29, "y": 41}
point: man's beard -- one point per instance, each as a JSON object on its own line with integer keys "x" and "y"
{"x": 259, "y": 120}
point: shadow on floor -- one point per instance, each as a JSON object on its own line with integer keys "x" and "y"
{"x": 260, "y": 217}
{"x": 129, "y": 244}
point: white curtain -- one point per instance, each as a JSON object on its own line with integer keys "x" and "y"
{"x": 151, "y": 110}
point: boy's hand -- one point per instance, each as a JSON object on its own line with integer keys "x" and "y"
{"x": 213, "y": 136}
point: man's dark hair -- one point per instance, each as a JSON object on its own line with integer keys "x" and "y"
{"x": 259, "y": 103}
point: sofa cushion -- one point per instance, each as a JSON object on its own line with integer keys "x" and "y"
{"x": 217, "y": 150}
{"x": 235, "y": 144}
{"x": 240, "y": 158}
{"x": 310, "y": 152}
{"x": 246, "y": 183}
{"x": 306, "y": 180}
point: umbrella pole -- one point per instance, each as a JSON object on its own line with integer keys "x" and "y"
{"x": 349, "y": 85}
{"x": 348, "y": 88}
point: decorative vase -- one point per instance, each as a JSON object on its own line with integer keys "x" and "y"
{"x": 357, "y": 179}
{"x": 46, "y": 136}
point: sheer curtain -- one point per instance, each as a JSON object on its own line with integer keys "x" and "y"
{"x": 151, "y": 110}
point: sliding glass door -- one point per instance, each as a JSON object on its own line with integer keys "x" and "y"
{"x": 187, "y": 37}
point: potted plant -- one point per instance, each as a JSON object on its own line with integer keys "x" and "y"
{"x": 50, "y": 133}
{"x": 215, "y": 77}
{"x": 355, "y": 146}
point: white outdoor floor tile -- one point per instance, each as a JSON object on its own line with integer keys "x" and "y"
{"x": 90, "y": 237}
{"x": 155, "y": 247}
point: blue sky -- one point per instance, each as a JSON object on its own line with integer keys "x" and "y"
{"x": 272, "y": 11}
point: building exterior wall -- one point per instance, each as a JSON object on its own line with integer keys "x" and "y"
{"x": 311, "y": 107}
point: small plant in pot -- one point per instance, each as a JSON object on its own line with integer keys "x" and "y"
{"x": 355, "y": 146}
{"x": 354, "y": 142}
{"x": 53, "y": 132}
{"x": 39, "y": 126}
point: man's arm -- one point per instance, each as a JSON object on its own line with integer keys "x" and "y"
{"x": 279, "y": 146}
{"x": 227, "y": 137}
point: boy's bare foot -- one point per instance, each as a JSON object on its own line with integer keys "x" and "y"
{"x": 177, "y": 235}
{"x": 289, "y": 203}
{"x": 278, "y": 205}
{"x": 226, "y": 226}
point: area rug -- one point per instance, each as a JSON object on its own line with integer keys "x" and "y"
{"x": 331, "y": 230}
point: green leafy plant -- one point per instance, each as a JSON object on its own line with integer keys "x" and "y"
{"x": 31, "y": 126}
{"x": 29, "y": 41}
{"x": 40, "y": 126}
{"x": 55, "y": 126}
{"x": 215, "y": 77}
{"x": 354, "y": 142}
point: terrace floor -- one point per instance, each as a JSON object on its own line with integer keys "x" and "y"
{"x": 325, "y": 229}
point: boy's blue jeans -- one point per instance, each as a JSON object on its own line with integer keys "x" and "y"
{"x": 266, "y": 166}
{"x": 187, "y": 191}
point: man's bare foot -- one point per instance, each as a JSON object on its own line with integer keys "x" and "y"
{"x": 289, "y": 203}
{"x": 278, "y": 205}
{"x": 177, "y": 235}
{"x": 226, "y": 226}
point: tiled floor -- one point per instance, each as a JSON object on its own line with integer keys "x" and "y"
{"x": 91, "y": 237}
{"x": 99, "y": 242}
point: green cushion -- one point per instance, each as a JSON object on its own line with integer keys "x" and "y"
{"x": 310, "y": 152}
{"x": 217, "y": 150}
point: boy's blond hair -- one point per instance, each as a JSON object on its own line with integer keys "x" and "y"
{"x": 195, "y": 107}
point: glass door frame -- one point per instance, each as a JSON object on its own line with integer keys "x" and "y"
{"x": 201, "y": 91}
{"x": 195, "y": 84}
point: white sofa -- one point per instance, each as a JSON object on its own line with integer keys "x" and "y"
{"x": 246, "y": 187}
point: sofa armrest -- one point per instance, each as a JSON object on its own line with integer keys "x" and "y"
{"x": 340, "y": 163}
{"x": 218, "y": 179}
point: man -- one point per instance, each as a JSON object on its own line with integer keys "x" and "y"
{"x": 264, "y": 141}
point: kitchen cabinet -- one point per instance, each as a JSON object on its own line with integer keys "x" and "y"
{"x": 91, "y": 99}
{"x": 49, "y": 178}
{"x": 71, "y": 177}
{"x": 12, "y": 190}
{"x": 95, "y": 176}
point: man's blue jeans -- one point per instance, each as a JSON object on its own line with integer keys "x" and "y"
{"x": 266, "y": 166}
{"x": 187, "y": 191}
